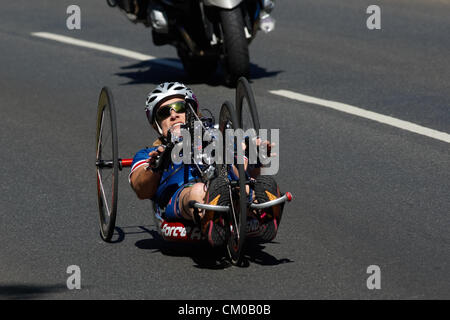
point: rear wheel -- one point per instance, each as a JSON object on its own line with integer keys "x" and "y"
{"x": 107, "y": 163}
{"x": 235, "y": 45}
{"x": 236, "y": 220}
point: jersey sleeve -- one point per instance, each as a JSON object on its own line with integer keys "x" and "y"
{"x": 139, "y": 160}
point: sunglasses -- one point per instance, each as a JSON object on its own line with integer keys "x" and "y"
{"x": 164, "y": 111}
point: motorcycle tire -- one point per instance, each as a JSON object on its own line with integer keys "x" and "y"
{"x": 235, "y": 45}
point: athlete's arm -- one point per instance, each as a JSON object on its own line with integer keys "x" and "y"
{"x": 145, "y": 181}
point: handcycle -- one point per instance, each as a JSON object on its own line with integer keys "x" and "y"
{"x": 235, "y": 209}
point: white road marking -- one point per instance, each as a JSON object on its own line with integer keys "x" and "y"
{"x": 101, "y": 47}
{"x": 401, "y": 124}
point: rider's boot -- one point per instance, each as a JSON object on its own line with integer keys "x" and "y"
{"x": 266, "y": 189}
{"x": 212, "y": 223}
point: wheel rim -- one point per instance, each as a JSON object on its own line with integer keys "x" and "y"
{"x": 106, "y": 164}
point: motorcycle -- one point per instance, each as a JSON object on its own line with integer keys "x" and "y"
{"x": 204, "y": 32}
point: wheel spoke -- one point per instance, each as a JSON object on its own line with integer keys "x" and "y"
{"x": 100, "y": 138}
{"x": 103, "y": 193}
{"x": 233, "y": 214}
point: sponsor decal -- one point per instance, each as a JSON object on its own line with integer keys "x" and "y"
{"x": 178, "y": 231}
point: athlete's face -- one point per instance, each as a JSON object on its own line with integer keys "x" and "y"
{"x": 173, "y": 121}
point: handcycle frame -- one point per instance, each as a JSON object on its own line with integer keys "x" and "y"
{"x": 182, "y": 230}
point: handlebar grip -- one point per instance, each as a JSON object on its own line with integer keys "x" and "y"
{"x": 157, "y": 163}
{"x": 191, "y": 204}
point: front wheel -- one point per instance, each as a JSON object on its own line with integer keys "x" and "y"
{"x": 236, "y": 220}
{"x": 235, "y": 45}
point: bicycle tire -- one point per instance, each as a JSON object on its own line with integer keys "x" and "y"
{"x": 107, "y": 159}
{"x": 247, "y": 114}
{"x": 237, "y": 221}
{"x": 246, "y": 106}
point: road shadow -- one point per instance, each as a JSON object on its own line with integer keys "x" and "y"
{"x": 255, "y": 253}
{"x": 204, "y": 256}
{"x": 201, "y": 253}
{"x": 161, "y": 70}
{"x": 28, "y": 291}
{"x": 120, "y": 232}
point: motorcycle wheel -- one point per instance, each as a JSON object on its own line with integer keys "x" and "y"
{"x": 235, "y": 45}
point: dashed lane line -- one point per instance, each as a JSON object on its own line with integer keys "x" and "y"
{"x": 346, "y": 108}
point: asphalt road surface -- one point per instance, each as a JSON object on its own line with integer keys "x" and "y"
{"x": 366, "y": 193}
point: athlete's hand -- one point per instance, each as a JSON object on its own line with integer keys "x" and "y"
{"x": 267, "y": 145}
{"x": 155, "y": 155}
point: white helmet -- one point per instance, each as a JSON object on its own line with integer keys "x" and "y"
{"x": 166, "y": 91}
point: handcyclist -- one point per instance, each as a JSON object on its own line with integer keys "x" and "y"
{"x": 173, "y": 187}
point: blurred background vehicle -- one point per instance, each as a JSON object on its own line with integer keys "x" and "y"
{"x": 204, "y": 32}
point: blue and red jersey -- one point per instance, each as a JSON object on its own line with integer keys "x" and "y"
{"x": 175, "y": 176}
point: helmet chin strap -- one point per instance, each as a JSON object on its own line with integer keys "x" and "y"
{"x": 159, "y": 128}
{"x": 164, "y": 140}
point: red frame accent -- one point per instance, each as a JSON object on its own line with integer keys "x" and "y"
{"x": 179, "y": 231}
{"x": 126, "y": 162}
{"x": 289, "y": 196}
